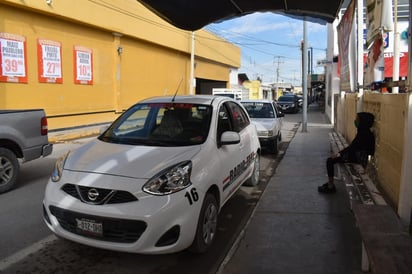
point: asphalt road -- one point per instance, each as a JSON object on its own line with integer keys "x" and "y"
{"x": 27, "y": 246}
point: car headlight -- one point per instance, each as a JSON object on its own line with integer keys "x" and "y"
{"x": 170, "y": 180}
{"x": 58, "y": 168}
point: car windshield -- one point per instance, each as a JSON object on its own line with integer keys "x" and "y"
{"x": 286, "y": 98}
{"x": 259, "y": 109}
{"x": 161, "y": 124}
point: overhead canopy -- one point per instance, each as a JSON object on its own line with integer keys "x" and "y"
{"x": 195, "y": 14}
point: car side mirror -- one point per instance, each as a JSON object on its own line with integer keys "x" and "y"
{"x": 229, "y": 138}
{"x": 281, "y": 114}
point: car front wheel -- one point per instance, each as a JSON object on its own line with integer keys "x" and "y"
{"x": 206, "y": 226}
{"x": 254, "y": 178}
{"x": 9, "y": 168}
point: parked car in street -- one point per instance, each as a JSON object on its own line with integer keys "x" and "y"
{"x": 300, "y": 100}
{"x": 267, "y": 118}
{"x": 289, "y": 103}
{"x": 156, "y": 179}
{"x": 24, "y": 137}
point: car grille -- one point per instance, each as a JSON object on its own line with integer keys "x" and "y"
{"x": 104, "y": 196}
{"x": 114, "y": 230}
{"x": 265, "y": 133}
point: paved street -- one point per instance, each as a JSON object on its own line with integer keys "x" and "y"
{"x": 27, "y": 246}
{"x": 281, "y": 226}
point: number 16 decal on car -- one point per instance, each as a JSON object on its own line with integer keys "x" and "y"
{"x": 192, "y": 196}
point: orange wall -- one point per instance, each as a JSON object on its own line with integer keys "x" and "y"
{"x": 155, "y": 58}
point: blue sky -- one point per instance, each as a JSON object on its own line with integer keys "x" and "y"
{"x": 270, "y": 41}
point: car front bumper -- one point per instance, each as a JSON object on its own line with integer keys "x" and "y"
{"x": 150, "y": 225}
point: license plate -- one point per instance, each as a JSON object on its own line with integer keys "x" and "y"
{"x": 90, "y": 226}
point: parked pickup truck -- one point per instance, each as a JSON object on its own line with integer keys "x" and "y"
{"x": 24, "y": 136}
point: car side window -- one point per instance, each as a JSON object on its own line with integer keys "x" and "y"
{"x": 239, "y": 117}
{"x": 223, "y": 123}
{"x": 276, "y": 109}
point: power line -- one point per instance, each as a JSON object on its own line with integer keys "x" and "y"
{"x": 266, "y": 42}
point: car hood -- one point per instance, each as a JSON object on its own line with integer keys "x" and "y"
{"x": 264, "y": 124}
{"x": 141, "y": 162}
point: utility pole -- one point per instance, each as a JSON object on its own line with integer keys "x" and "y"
{"x": 396, "y": 53}
{"x": 192, "y": 66}
{"x": 360, "y": 50}
{"x": 277, "y": 74}
{"x": 277, "y": 68}
{"x": 305, "y": 77}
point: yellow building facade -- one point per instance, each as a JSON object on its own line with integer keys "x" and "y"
{"x": 86, "y": 61}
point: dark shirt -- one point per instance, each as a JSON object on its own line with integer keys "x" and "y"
{"x": 364, "y": 141}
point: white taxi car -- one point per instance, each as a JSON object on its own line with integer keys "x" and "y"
{"x": 267, "y": 117}
{"x": 156, "y": 179}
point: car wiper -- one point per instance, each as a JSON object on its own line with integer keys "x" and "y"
{"x": 154, "y": 142}
{"x": 168, "y": 142}
{"x": 109, "y": 139}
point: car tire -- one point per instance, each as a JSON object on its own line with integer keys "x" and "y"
{"x": 254, "y": 178}
{"x": 206, "y": 225}
{"x": 274, "y": 146}
{"x": 9, "y": 168}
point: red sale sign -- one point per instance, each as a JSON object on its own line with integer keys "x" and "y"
{"x": 13, "y": 58}
{"x": 49, "y": 61}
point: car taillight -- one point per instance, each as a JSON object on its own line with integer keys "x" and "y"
{"x": 44, "y": 127}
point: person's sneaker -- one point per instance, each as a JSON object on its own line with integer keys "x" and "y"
{"x": 326, "y": 189}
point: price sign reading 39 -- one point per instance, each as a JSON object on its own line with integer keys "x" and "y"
{"x": 13, "y": 58}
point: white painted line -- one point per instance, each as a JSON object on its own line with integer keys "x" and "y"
{"x": 21, "y": 254}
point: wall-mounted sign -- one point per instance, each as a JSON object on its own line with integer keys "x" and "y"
{"x": 346, "y": 57}
{"x": 49, "y": 61}
{"x": 83, "y": 65}
{"x": 13, "y": 58}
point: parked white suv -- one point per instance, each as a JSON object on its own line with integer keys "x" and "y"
{"x": 267, "y": 118}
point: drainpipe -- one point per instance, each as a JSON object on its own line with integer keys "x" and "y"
{"x": 405, "y": 191}
{"x": 192, "y": 65}
{"x": 117, "y": 52}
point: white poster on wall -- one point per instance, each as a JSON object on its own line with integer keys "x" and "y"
{"x": 83, "y": 65}
{"x": 13, "y": 58}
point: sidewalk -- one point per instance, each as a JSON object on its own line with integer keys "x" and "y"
{"x": 61, "y": 136}
{"x": 294, "y": 229}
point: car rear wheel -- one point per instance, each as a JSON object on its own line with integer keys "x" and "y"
{"x": 206, "y": 226}
{"x": 9, "y": 168}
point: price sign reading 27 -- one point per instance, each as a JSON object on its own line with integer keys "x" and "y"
{"x": 50, "y": 61}
{"x": 83, "y": 65}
